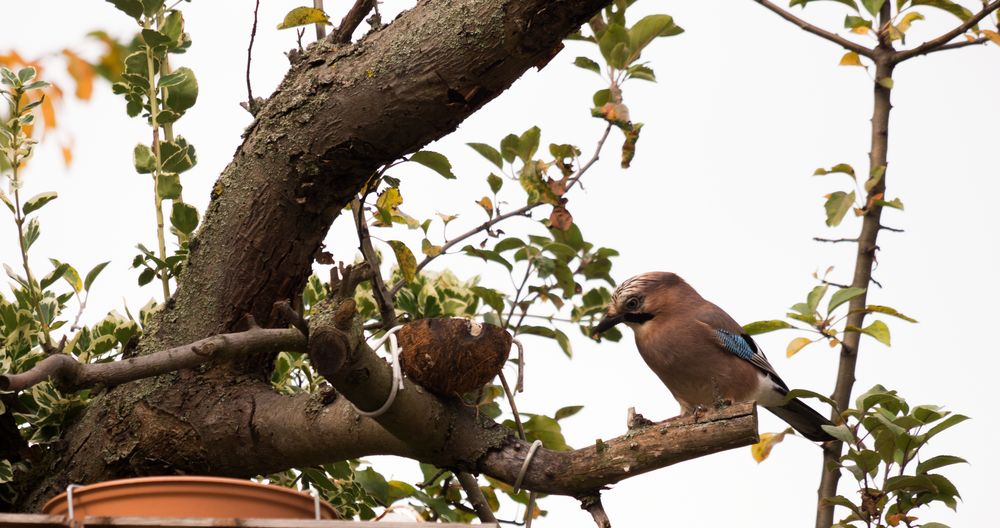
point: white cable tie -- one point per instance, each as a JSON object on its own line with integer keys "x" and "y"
{"x": 524, "y": 466}
{"x": 397, "y": 374}
{"x": 519, "y": 386}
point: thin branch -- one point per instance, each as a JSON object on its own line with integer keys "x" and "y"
{"x": 835, "y": 240}
{"x": 938, "y": 43}
{"x": 253, "y": 35}
{"x": 476, "y": 497}
{"x": 592, "y": 503}
{"x": 67, "y": 372}
{"x": 961, "y": 44}
{"x": 891, "y": 229}
{"x": 382, "y": 296}
{"x": 521, "y": 211}
{"x": 832, "y": 37}
{"x": 352, "y": 20}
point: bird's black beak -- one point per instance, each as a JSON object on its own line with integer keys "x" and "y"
{"x": 611, "y": 319}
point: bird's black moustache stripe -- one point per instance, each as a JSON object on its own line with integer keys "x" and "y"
{"x": 640, "y": 318}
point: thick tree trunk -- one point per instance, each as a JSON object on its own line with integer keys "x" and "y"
{"x": 340, "y": 113}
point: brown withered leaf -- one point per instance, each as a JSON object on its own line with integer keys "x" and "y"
{"x": 561, "y": 218}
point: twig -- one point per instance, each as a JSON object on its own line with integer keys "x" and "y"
{"x": 253, "y": 34}
{"x": 960, "y": 44}
{"x": 513, "y": 407}
{"x": 832, "y": 37}
{"x": 352, "y": 20}
{"x": 521, "y": 211}
{"x": 476, "y": 497}
{"x": 68, "y": 373}
{"x": 835, "y": 240}
{"x": 592, "y": 503}
{"x": 938, "y": 43}
{"x": 382, "y": 296}
{"x": 891, "y": 229}
{"x": 837, "y": 284}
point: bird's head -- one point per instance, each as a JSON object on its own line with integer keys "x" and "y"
{"x": 641, "y": 299}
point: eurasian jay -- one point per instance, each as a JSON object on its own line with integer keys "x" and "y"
{"x": 700, "y": 353}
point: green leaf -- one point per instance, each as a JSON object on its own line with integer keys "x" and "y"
{"x": 938, "y": 462}
{"x": 842, "y": 168}
{"x": 168, "y": 186}
{"x": 601, "y": 97}
{"x": 38, "y": 201}
{"x": 434, "y": 161}
{"x": 92, "y": 275}
{"x": 172, "y": 79}
{"x": 535, "y": 187}
{"x": 508, "y": 244}
{"x": 843, "y": 295}
{"x": 143, "y": 159}
{"x": 488, "y": 152}
{"x": 642, "y": 33}
{"x": 132, "y": 8}
{"x": 488, "y": 255}
{"x": 895, "y": 203}
{"x": 873, "y": 6}
{"x": 815, "y": 296}
{"x": 528, "y": 144}
{"x": 962, "y": 13}
{"x": 6, "y": 201}
{"x": 509, "y": 147}
{"x": 303, "y": 16}
{"x": 762, "y": 327}
{"x": 150, "y": 7}
{"x": 853, "y": 22}
{"x": 639, "y": 71}
{"x": 404, "y": 257}
{"x": 491, "y": 297}
{"x": 146, "y": 276}
{"x": 837, "y": 205}
{"x": 947, "y": 423}
{"x": 803, "y": 393}
{"x": 850, "y": 3}
{"x": 888, "y": 311}
{"x": 840, "y": 432}
{"x": 628, "y": 146}
{"x": 184, "y": 217}
{"x": 71, "y": 276}
{"x": 154, "y": 38}
{"x": 614, "y": 35}
{"x": 495, "y": 182}
{"x": 879, "y": 331}
{"x": 886, "y": 82}
{"x": 875, "y": 177}
{"x": 177, "y": 156}
{"x": 566, "y": 412}
{"x": 182, "y": 96}
{"x": 587, "y": 64}
{"x": 53, "y": 276}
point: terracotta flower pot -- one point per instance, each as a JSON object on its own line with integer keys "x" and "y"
{"x": 185, "y": 496}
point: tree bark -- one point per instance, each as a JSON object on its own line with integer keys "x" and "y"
{"x": 339, "y": 114}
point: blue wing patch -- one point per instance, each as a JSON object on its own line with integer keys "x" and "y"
{"x": 735, "y": 344}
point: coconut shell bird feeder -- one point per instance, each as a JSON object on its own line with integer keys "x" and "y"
{"x": 451, "y": 356}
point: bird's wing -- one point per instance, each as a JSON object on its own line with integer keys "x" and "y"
{"x": 743, "y": 346}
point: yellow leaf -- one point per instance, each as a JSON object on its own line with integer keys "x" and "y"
{"x": 797, "y": 344}
{"x": 861, "y": 30}
{"x": 909, "y": 18}
{"x": 992, "y": 35}
{"x": 850, "y": 59}
{"x": 82, "y": 73}
{"x": 487, "y": 205}
{"x": 303, "y": 16}
{"x": 761, "y": 450}
{"x": 447, "y": 217}
{"x": 67, "y": 154}
{"x": 404, "y": 257}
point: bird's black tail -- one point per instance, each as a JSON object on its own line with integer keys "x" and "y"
{"x": 803, "y": 419}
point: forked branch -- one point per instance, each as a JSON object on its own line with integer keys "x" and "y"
{"x": 942, "y": 43}
{"x": 815, "y": 30}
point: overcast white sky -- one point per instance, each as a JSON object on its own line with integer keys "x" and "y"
{"x": 720, "y": 192}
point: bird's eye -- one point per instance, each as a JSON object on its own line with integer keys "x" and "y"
{"x": 632, "y": 304}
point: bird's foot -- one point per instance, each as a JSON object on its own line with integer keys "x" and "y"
{"x": 698, "y": 412}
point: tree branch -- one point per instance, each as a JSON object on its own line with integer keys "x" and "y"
{"x": 939, "y": 43}
{"x": 352, "y": 20}
{"x": 832, "y": 37}
{"x": 476, "y": 497}
{"x": 592, "y": 503}
{"x": 449, "y": 434}
{"x": 69, "y": 374}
